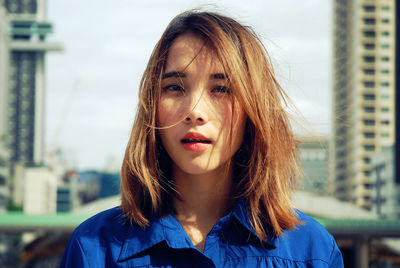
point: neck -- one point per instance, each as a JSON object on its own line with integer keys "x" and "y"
{"x": 203, "y": 195}
{"x": 203, "y": 200}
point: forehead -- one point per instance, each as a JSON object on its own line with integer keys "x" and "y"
{"x": 189, "y": 50}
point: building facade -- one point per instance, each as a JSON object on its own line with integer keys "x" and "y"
{"x": 386, "y": 191}
{"x": 4, "y": 174}
{"x": 363, "y": 93}
{"x": 40, "y": 191}
{"x": 23, "y": 45}
{"x": 314, "y": 153}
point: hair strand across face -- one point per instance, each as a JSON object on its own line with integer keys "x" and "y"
{"x": 266, "y": 167}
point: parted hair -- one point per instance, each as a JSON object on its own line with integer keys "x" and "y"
{"x": 265, "y": 168}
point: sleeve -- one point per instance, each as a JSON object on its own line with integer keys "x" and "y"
{"x": 336, "y": 259}
{"x": 74, "y": 256}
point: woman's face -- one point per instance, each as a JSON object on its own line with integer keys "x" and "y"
{"x": 202, "y": 127}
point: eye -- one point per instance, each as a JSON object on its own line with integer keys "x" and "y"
{"x": 221, "y": 89}
{"x": 174, "y": 88}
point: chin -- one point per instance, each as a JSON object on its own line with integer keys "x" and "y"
{"x": 197, "y": 170}
{"x": 200, "y": 168}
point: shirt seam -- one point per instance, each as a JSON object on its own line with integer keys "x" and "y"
{"x": 83, "y": 252}
{"x": 163, "y": 229}
{"x": 333, "y": 249}
{"x": 273, "y": 256}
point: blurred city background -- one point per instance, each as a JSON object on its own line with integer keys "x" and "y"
{"x": 69, "y": 73}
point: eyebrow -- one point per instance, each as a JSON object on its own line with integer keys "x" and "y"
{"x": 218, "y": 76}
{"x": 173, "y": 74}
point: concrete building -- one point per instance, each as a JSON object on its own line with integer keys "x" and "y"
{"x": 23, "y": 31}
{"x": 314, "y": 162}
{"x": 4, "y": 192}
{"x": 363, "y": 93}
{"x": 67, "y": 192}
{"x": 386, "y": 191}
{"x": 40, "y": 191}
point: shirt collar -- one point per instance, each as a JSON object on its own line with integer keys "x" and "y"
{"x": 240, "y": 212}
{"x": 166, "y": 229}
{"x": 169, "y": 229}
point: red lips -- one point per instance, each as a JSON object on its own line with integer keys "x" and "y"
{"x": 195, "y": 142}
{"x": 195, "y": 136}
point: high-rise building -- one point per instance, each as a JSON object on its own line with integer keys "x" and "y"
{"x": 386, "y": 193}
{"x": 314, "y": 162}
{"x": 363, "y": 93}
{"x": 23, "y": 45}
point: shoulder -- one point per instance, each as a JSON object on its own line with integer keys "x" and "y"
{"x": 309, "y": 230}
{"x": 310, "y": 241}
{"x": 99, "y": 235}
{"x": 104, "y": 221}
{"x": 109, "y": 225}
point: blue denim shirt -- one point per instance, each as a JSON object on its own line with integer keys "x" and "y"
{"x": 105, "y": 240}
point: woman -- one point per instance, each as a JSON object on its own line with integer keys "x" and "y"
{"x": 210, "y": 164}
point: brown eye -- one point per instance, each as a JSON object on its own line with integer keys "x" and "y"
{"x": 174, "y": 88}
{"x": 221, "y": 89}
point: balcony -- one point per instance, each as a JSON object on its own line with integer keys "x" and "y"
{"x": 30, "y": 35}
{"x": 21, "y": 28}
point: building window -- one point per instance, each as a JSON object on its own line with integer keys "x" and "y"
{"x": 369, "y": 58}
{"x": 381, "y": 202}
{"x": 369, "y": 148}
{"x": 369, "y": 46}
{"x": 385, "y": 122}
{"x": 369, "y": 135}
{"x": 384, "y": 135}
{"x": 367, "y": 172}
{"x": 368, "y": 185}
{"x": 385, "y": 33}
{"x": 369, "y": 21}
{"x": 367, "y": 160}
{"x": 369, "y": 122}
{"x": 384, "y": 71}
{"x": 384, "y": 97}
{"x": 369, "y": 97}
{"x": 369, "y": 84}
{"x": 385, "y": 109}
{"x": 385, "y": 8}
{"x": 385, "y": 46}
{"x": 369, "y": 71}
{"x": 385, "y": 58}
{"x": 369, "y": 33}
{"x": 369, "y": 8}
{"x": 369, "y": 109}
{"x": 385, "y": 84}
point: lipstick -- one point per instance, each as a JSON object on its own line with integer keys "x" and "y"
{"x": 195, "y": 142}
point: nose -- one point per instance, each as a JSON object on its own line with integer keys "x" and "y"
{"x": 198, "y": 111}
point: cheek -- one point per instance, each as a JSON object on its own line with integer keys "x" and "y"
{"x": 233, "y": 118}
{"x": 239, "y": 129}
{"x": 222, "y": 111}
{"x": 240, "y": 116}
{"x": 238, "y": 124}
{"x": 166, "y": 113}
{"x": 233, "y": 121}
{"x": 159, "y": 117}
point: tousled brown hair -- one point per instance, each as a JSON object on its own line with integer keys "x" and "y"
{"x": 266, "y": 165}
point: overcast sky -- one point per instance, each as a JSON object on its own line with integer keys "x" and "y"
{"x": 91, "y": 92}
